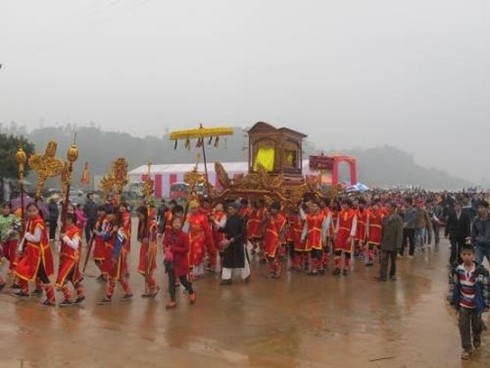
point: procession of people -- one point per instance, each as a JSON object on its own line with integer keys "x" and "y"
{"x": 317, "y": 235}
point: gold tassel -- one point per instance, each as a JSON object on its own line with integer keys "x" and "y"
{"x": 216, "y": 141}
{"x": 188, "y": 144}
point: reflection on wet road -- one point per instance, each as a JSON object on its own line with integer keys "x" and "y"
{"x": 296, "y": 321}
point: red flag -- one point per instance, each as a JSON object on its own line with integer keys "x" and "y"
{"x": 85, "y": 180}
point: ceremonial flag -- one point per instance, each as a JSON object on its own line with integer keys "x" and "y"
{"x": 85, "y": 180}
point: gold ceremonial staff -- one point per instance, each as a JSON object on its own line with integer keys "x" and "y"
{"x": 148, "y": 190}
{"x": 46, "y": 166}
{"x": 116, "y": 179}
{"x": 71, "y": 156}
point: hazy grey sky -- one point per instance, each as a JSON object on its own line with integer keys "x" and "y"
{"x": 411, "y": 73}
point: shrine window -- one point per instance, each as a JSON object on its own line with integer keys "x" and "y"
{"x": 290, "y": 158}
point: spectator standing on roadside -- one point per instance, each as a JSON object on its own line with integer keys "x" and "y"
{"x": 90, "y": 210}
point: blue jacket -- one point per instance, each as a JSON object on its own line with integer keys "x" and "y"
{"x": 482, "y": 288}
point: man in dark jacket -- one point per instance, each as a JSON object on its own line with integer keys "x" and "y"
{"x": 480, "y": 233}
{"x": 458, "y": 229}
{"x": 90, "y": 210}
{"x": 409, "y": 216}
{"x": 54, "y": 214}
{"x": 391, "y": 242}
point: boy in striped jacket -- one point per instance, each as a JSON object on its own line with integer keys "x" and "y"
{"x": 469, "y": 294}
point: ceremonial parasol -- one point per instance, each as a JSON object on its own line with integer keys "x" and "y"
{"x": 200, "y": 134}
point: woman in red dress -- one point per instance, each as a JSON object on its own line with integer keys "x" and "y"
{"x": 37, "y": 259}
{"x": 176, "y": 248}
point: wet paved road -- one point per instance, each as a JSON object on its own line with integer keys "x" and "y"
{"x": 297, "y": 321}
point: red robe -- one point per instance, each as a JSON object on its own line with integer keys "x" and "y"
{"x": 99, "y": 246}
{"x": 148, "y": 251}
{"x": 254, "y": 225}
{"x": 273, "y": 229}
{"x": 361, "y": 224}
{"x": 118, "y": 269}
{"x": 35, "y": 253}
{"x": 345, "y": 229}
{"x": 375, "y": 220}
{"x": 199, "y": 236}
{"x": 69, "y": 267}
{"x": 295, "y": 229}
{"x": 314, "y": 224}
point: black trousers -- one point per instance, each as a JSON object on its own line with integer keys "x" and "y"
{"x": 456, "y": 245}
{"x": 42, "y": 275}
{"x": 386, "y": 256}
{"x": 437, "y": 232}
{"x": 88, "y": 229}
{"x": 53, "y": 225}
{"x": 408, "y": 238}
{"x": 469, "y": 321}
{"x": 172, "y": 289}
{"x": 291, "y": 249}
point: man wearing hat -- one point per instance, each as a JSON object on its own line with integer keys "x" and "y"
{"x": 233, "y": 247}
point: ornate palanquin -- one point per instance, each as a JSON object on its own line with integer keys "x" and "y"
{"x": 275, "y": 168}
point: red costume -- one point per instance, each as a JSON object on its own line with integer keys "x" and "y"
{"x": 147, "y": 236}
{"x": 255, "y": 227}
{"x": 218, "y": 236}
{"x": 37, "y": 260}
{"x": 294, "y": 231}
{"x": 274, "y": 229}
{"x": 115, "y": 262}
{"x": 346, "y": 231}
{"x": 361, "y": 225}
{"x": 314, "y": 239}
{"x": 374, "y": 221}
{"x": 199, "y": 236}
{"x": 69, "y": 266}
{"x": 211, "y": 250}
{"x": 317, "y": 227}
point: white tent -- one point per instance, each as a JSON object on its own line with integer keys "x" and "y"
{"x": 165, "y": 175}
{"x": 359, "y": 187}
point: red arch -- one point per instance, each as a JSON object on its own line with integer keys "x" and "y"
{"x": 351, "y": 161}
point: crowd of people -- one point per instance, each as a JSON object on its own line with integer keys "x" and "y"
{"x": 226, "y": 236}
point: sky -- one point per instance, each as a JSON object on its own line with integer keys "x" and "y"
{"x": 349, "y": 73}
